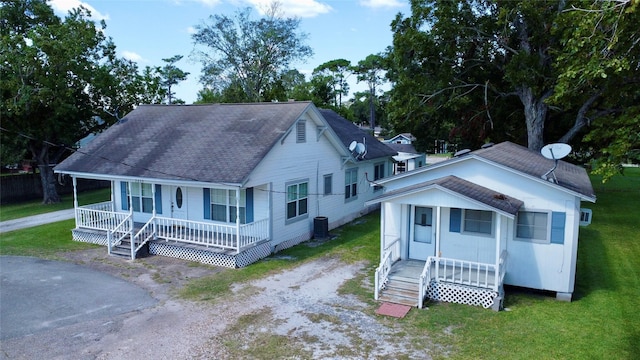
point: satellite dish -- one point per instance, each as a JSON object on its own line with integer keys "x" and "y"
{"x": 461, "y": 152}
{"x": 360, "y": 149}
{"x": 555, "y": 151}
{"x": 352, "y": 146}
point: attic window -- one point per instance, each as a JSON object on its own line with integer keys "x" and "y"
{"x": 301, "y": 128}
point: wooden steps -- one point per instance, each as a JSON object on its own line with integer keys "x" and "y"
{"x": 401, "y": 290}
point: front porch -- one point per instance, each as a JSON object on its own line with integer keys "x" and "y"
{"x": 411, "y": 282}
{"x": 228, "y": 245}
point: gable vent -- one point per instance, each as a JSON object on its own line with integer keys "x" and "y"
{"x": 301, "y": 131}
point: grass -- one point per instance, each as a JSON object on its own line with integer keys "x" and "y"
{"x": 19, "y": 210}
{"x": 603, "y": 321}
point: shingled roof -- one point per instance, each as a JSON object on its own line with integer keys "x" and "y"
{"x": 348, "y": 132}
{"x": 217, "y": 143}
{"x": 463, "y": 188}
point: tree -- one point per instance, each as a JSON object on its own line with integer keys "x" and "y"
{"x": 249, "y": 52}
{"x": 371, "y": 70}
{"x": 336, "y": 72}
{"x": 172, "y": 75}
{"x": 456, "y": 65}
{"x": 55, "y": 81}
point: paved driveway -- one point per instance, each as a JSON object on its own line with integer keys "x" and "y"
{"x": 38, "y": 295}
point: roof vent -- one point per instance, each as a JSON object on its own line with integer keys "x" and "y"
{"x": 461, "y": 152}
{"x": 487, "y": 145}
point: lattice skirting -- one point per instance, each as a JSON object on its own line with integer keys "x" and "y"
{"x": 292, "y": 242}
{"x": 242, "y": 259}
{"x": 89, "y": 237}
{"x": 461, "y": 294}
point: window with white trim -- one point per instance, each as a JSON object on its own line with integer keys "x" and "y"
{"x": 351, "y": 184}
{"x": 532, "y": 226}
{"x": 378, "y": 173}
{"x": 297, "y": 200}
{"x": 478, "y": 221}
{"x": 223, "y": 205}
{"x": 328, "y": 184}
{"x": 141, "y": 197}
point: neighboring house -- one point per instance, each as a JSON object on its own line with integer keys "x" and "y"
{"x": 459, "y": 230}
{"x": 407, "y": 159}
{"x": 225, "y": 184}
{"x": 404, "y": 138}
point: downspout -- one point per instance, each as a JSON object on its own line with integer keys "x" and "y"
{"x": 75, "y": 198}
{"x": 498, "y": 236}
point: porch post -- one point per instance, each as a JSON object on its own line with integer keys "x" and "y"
{"x": 238, "y": 220}
{"x": 382, "y": 227}
{"x": 438, "y": 230}
{"x": 153, "y": 211}
{"x": 113, "y": 199}
{"x": 498, "y": 236}
{"x": 75, "y": 199}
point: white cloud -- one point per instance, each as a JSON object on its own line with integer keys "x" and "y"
{"x": 130, "y": 55}
{"x": 382, "y": 3}
{"x": 62, "y": 7}
{"x": 209, "y": 3}
{"x": 191, "y": 30}
{"x": 296, "y": 8}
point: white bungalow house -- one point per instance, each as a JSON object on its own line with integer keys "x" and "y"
{"x": 225, "y": 184}
{"x": 459, "y": 230}
{"x": 408, "y": 158}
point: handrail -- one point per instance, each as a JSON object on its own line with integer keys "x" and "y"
{"x": 137, "y": 244}
{"x": 124, "y": 232}
{"x": 392, "y": 243}
{"x": 502, "y": 264}
{"x": 423, "y": 282}
{"x": 382, "y": 273}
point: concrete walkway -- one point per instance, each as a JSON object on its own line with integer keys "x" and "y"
{"x": 36, "y": 220}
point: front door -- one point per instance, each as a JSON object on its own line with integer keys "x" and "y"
{"x": 422, "y": 234}
{"x": 179, "y": 203}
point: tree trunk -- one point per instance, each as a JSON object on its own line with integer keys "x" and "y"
{"x": 535, "y": 113}
{"x": 48, "y": 178}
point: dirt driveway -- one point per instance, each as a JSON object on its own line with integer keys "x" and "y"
{"x": 297, "y": 314}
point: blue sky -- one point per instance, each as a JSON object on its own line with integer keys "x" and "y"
{"x": 147, "y": 31}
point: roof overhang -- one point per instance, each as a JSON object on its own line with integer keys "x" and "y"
{"x": 185, "y": 182}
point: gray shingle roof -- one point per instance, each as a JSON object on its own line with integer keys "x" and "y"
{"x": 464, "y": 188}
{"x": 348, "y": 132}
{"x": 209, "y": 143}
{"x": 405, "y": 148}
{"x": 531, "y": 162}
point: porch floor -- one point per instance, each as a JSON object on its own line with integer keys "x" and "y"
{"x": 407, "y": 270}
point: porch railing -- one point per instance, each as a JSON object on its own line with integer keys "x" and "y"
{"x": 390, "y": 255}
{"x": 99, "y": 217}
{"x": 211, "y": 234}
{"x": 118, "y": 233}
{"x": 456, "y": 271}
{"x": 143, "y": 235}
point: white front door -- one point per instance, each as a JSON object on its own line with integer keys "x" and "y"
{"x": 179, "y": 202}
{"x": 422, "y": 242}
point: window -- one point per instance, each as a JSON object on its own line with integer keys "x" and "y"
{"x": 478, "y": 221}
{"x": 532, "y": 226}
{"x": 140, "y": 197}
{"x": 328, "y": 184}
{"x": 301, "y": 133}
{"x": 223, "y": 206}
{"x": 297, "y": 195}
{"x": 378, "y": 173}
{"x": 351, "y": 184}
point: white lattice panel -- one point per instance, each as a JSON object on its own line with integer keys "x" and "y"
{"x": 89, "y": 237}
{"x": 245, "y": 258}
{"x": 461, "y": 294}
{"x": 291, "y": 242}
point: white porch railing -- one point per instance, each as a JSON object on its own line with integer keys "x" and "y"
{"x": 390, "y": 255}
{"x": 99, "y": 217}
{"x": 118, "y": 233}
{"x": 456, "y": 271}
{"x": 211, "y": 234}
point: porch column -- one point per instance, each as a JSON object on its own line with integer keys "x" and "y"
{"x": 238, "y": 220}
{"x": 382, "y": 227}
{"x": 498, "y": 236}
{"x": 75, "y": 199}
{"x": 153, "y": 210}
{"x": 438, "y": 230}
{"x": 113, "y": 199}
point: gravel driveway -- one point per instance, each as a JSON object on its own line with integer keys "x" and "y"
{"x": 296, "y": 314}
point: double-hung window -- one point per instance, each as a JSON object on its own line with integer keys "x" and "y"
{"x": 297, "y": 200}
{"x": 351, "y": 183}
{"x": 532, "y": 226}
{"x": 223, "y": 205}
{"x": 328, "y": 184}
{"x": 378, "y": 173}
{"x": 141, "y": 197}
{"x": 478, "y": 221}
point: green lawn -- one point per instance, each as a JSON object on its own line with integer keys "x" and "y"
{"x": 35, "y": 207}
{"x": 603, "y": 321}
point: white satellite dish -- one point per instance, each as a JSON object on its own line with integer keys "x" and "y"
{"x": 360, "y": 149}
{"x": 555, "y": 151}
{"x": 352, "y": 146}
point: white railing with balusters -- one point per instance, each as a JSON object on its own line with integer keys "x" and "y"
{"x": 121, "y": 231}
{"x": 390, "y": 255}
{"x": 143, "y": 235}
{"x": 211, "y": 234}
{"x": 94, "y": 217}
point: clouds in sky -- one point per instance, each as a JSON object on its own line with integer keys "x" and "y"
{"x": 130, "y": 55}
{"x": 63, "y": 7}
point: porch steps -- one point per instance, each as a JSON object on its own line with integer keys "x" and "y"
{"x": 123, "y": 249}
{"x": 400, "y": 290}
